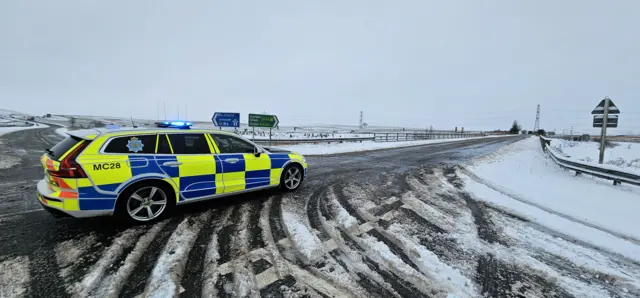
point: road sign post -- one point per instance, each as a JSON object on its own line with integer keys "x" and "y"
{"x": 226, "y": 119}
{"x": 262, "y": 120}
{"x": 605, "y": 108}
{"x": 603, "y": 133}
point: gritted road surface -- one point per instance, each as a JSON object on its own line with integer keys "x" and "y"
{"x": 389, "y": 223}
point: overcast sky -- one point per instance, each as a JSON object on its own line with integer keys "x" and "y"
{"x": 477, "y": 64}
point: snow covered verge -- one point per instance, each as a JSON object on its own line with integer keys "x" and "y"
{"x": 623, "y": 155}
{"x": 347, "y": 147}
{"x": 520, "y": 178}
{"x": 4, "y": 130}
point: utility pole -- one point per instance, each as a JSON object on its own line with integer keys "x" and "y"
{"x": 536, "y": 127}
{"x": 571, "y": 132}
{"x": 361, "y": 119}
{"x": 603, "y": 133}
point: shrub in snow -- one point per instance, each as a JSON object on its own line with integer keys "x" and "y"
{"x": 607, "y": 144}
{"x": 635, "y": 163}
{"x": 617, "y": 162}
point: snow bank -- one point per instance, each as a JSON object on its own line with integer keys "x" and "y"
{"x": 167, "y": 273}
{"x": 325, "y": 149}
{"x": 583, "y": 207}
{"x": 592, "y": 261}
{"x": 307, "y": 243}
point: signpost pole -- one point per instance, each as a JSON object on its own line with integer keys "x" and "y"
{"x": 253, "y": 134}
{"x": 269, "y": 136}
{"x": 603, "y": 133}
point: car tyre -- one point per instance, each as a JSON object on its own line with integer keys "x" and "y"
{"x": 145, "y": 202}
{"x": 291, "y": 177}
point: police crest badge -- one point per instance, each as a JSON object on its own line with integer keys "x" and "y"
{"x": 135, "y": 145}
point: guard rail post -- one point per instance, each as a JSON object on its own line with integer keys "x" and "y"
{"x": 544, "y": 142}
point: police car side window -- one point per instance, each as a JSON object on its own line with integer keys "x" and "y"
{"x": 163, "y": 145}
{"x": 192, "y": 143}
{"x": 141, "y": 144}
{"x": 230, "y": 144}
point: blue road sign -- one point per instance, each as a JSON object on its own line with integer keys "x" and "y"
{"x": 226, "y": 119}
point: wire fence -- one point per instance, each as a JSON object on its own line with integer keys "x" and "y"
{"x": 402, "y": 137}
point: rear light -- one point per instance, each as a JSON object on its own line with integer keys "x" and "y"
{"x": 69, "y": 168}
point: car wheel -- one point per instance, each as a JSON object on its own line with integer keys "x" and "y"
{"x": 145, "y": 202}
{"x": 292, "y": 177}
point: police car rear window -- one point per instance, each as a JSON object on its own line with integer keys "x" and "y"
{"x": 141, "y": 144}
{"x": 61, "y": 148}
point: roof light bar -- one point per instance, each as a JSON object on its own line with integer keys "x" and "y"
{"x": 175, "y": 124}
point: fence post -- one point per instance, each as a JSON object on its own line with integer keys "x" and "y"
{"x": 387, "y": 137}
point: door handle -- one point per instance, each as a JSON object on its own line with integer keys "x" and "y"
{"x": 232, "y": 160}
{"x": 172, "y": 163}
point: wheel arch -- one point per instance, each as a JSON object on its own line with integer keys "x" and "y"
{"x": 133, "y": 183}
{"x": 292, "y": 163}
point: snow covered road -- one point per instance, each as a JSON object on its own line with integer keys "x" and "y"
{"x": 392, "y": 223}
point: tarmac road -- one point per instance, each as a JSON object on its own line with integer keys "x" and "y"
{"x": 356, "y": 228}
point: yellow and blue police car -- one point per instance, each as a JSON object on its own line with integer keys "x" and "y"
{"x": 142, "y": 174}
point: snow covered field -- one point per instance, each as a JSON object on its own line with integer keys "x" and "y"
{"x": 519, "y": 177}
{"x": 325, "y": 149}
{"x": 624, "y": 155}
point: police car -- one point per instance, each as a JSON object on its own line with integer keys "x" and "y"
{"x": 142, "y": 174}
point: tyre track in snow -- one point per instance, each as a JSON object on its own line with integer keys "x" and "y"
{"x": 495, "y": 277}
{"x": 386, "y": 281}
{"x": 20, "y": 168}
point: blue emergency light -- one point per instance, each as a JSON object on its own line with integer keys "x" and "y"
{"x": 175, "y": 124}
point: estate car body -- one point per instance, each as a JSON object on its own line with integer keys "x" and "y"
{"x": 141, "y": 174}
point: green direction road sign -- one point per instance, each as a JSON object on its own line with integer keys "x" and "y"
{"x": 261, "y": 120}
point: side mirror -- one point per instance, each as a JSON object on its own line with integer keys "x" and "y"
{"x": 257, "y": 151}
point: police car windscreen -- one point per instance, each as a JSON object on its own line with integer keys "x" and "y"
{"x": 61, "y": 148}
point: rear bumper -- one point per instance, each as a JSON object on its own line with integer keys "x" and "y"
{"x": 55, "y": 206}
